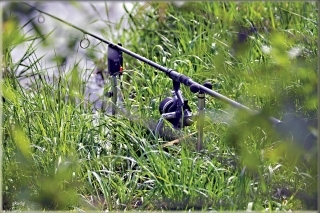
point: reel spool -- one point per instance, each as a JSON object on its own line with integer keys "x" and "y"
{"x": 169, "y": 110}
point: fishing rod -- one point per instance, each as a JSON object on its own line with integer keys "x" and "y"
{"x": 173, "y": 109}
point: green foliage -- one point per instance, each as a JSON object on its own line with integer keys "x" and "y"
{"x": 58, "y": 155}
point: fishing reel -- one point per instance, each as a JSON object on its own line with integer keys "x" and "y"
{"x": 175, "y": 110}
{"x": 178, "y": 117}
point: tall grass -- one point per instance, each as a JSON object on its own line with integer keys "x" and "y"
{"x": 60, "y": 155}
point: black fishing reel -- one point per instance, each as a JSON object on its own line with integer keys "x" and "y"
{"x": 178, "y": 116}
